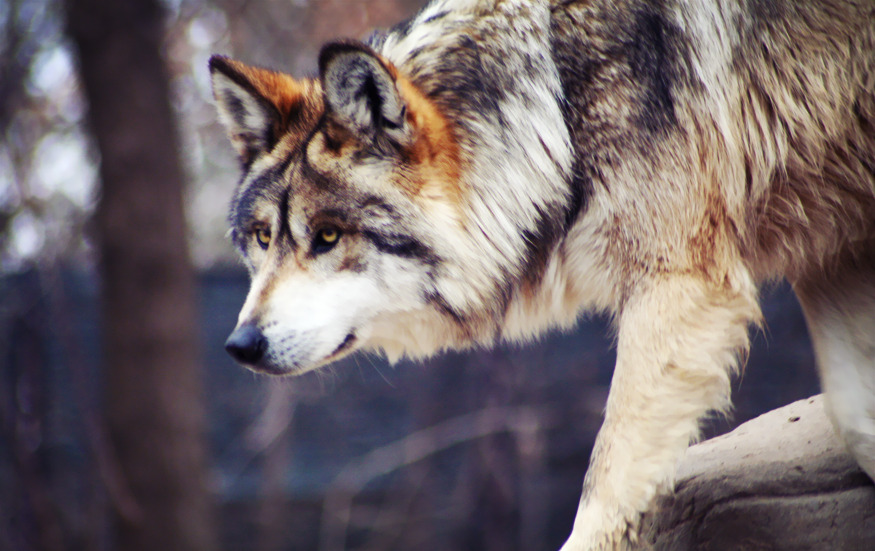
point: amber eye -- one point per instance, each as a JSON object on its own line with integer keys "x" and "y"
{"x": 325, "y": 240}
{"x": 262, "y": 237}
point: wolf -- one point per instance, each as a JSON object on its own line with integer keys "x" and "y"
{"x": 491, "y": 169}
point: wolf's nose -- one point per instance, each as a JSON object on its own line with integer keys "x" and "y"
{"x": 246, "y": 344}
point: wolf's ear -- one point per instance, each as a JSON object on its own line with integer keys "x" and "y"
{"x": 253, "y": 104}
{"x": 361, "y": 91}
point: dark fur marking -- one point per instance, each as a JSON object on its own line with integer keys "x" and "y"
{"x": 552, "y": 224}
{"x": 438, "y": 16}
{"x": 766, "y": 10}
{"x": 280, "y": 169}
{"x": 243, "y": 205}
{"x": 404, "y": 246}
{"x": 576, "y": 77}
{"x": 367, "y": 91}
{"x": 372, "y": 202}
{"x": 416, "y": 52}
{"x": 378, "y": 37}
{"x": 339, "y": 215}
{"x": 266, "y": 185}
{"x": 549, "y": 230}
{"x": 581, "y": 189}
{"x": 868, "y": 129}
{"x": 236, "y": 108}
{"x": 444, "y": 307}
{"x": 285, "y": 231}
{"x": 651, "y": 50}
{"x": 347, "y": 341}
{"x": 371, "y": 94}
{"x": 403, "y": 28}
{"x": 471, "y": 84}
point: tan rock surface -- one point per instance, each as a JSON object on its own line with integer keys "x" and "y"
{"x": 782, "y": 481}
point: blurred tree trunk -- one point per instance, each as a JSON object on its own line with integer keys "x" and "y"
{"x": 153, "y": 400}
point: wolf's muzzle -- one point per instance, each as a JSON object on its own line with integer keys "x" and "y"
{"x": 246, "y": 344}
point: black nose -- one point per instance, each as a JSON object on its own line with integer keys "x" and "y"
{"x": 246, "y": 344}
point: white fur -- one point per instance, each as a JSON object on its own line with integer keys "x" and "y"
{"x": 326, "y": 309}
{"x": 841, "y": 317}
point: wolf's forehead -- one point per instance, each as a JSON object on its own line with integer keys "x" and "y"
{"x": 265, "y": 186}
{"x": 291, "y": 186}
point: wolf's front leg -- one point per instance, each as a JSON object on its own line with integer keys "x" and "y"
{"x": 679, "y": 340}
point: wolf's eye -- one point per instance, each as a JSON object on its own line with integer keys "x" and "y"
{"x": 262, "y": 237}
{"x": 325, "y": 240}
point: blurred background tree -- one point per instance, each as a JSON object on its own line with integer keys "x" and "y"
{"x": 153, "y": 403}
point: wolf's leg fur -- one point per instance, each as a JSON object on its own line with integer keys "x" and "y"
{"x": 679, "y": 340}
{"x": 840, "y": 309}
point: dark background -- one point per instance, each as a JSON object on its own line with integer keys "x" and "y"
{"x": 277, "y": 445}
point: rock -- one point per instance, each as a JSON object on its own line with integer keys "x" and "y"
{"x": 782, "y": 481}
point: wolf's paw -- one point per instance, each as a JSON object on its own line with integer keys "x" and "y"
{"x": 594, "y": 530}
{"x": 606, "y": 541}
{"x": 598, "y": 542}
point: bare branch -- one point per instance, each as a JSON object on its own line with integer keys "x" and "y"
{"x": 523, "y": 422}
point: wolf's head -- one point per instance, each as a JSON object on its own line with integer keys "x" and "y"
{"x": 347, "y": 180}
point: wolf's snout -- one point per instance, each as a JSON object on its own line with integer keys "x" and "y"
{"x": 246, "y": 344}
